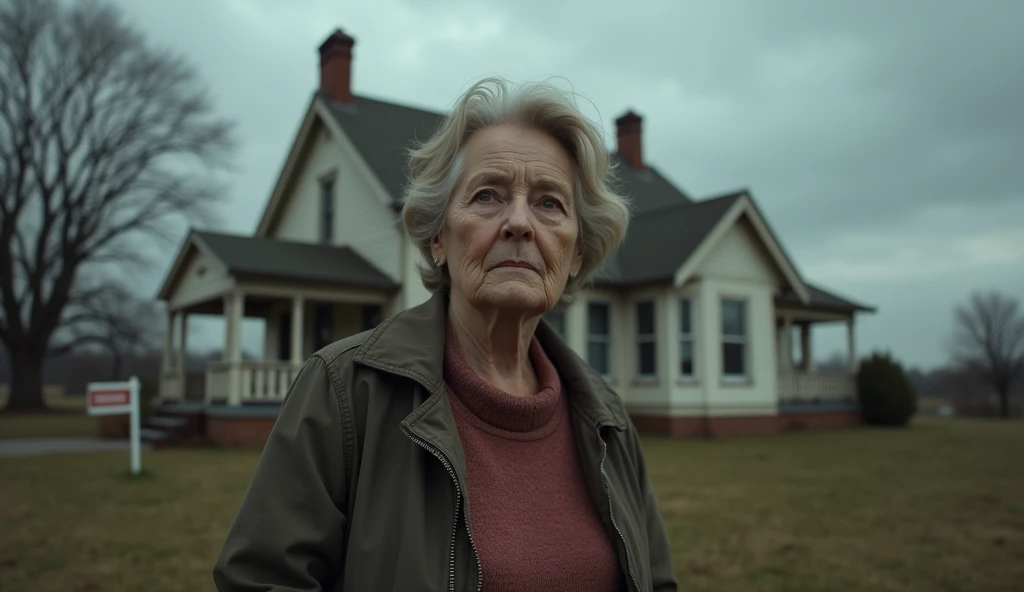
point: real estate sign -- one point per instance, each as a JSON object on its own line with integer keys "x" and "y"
{"x": 119, "y": 398}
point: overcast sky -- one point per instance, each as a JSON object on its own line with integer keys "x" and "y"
{"x": 884, "y": 141}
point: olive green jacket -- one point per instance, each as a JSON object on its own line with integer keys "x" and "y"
{"x": 362, "y": 483}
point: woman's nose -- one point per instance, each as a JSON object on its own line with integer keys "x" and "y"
{"x": 518, "y": 225}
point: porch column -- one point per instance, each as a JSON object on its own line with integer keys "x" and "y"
{"x": 851, "y": 344}
{"x": 233, "y": 309}
{"x": 168, "y": 360}
{"x": 786, "y": 353}
{"x": 168, "y": 390}
{"x": 182, "y": 368}
{"x": 298, "y": 305}
{"x": 807, "y": 363}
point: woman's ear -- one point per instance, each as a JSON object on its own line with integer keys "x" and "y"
{"x": 577, "y": 263}
{"x": 437, "y": 249}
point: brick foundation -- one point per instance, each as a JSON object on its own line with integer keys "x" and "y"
{"x": 238, "y": 432}
{"x": 730, "y": 427}
{"x": 818, "y": 421}
{"x": 194, "y": 416}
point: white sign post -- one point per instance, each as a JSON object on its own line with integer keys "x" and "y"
{"x": 119, "y": 398}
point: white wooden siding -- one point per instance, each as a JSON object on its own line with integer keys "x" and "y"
{"x": 740, "y": 256}
{"x": 204, "y": 278}
{"x": 361, "y": 220}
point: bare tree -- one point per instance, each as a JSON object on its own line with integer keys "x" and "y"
{"x": 104, "y": 142}
{"x": 989, "y": 342}
{"x": 119, "y": 322}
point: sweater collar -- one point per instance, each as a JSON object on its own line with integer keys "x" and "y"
{"x": 412, "y": 344}
{"x": 497, "y": 407}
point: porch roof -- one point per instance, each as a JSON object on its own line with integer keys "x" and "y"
{"x": 821, "y": 300}
{"x": 661, "y": 240}
{"x": 267, "y": 258}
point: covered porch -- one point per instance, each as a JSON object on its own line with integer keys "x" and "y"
{"x": 307, "y": 296}
{"x": 297, "y": 324}
{"x": 802, "y": 385}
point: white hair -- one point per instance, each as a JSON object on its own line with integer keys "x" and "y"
{"x": 436, "y": 165}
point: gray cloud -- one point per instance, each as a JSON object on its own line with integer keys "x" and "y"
{"x": 883, "y": 140}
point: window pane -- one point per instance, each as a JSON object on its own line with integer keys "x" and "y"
{"x": 597, "y": 318}
{"x": 685, "y": 323}
{"x": 645, "y": 318}
{"x": 733, "y": 321}
{"x": 556, "y": 318}
{"x": 597, "y": 357}
{"x": 686, "y": 357}
{"x": 327, "y": 210}
{"x": 733, "y": 363}
{"x": 646, "y": 351}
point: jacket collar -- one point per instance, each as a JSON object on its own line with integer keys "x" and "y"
{"x": 411, "y": 344}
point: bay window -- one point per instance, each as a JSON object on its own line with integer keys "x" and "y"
{"x": 599, "y": 337}
{"x": 734, "y": 338}
{"x": 646, "y": 340}
{"x": 686, "y": 340}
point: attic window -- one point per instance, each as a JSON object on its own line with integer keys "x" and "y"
{"x": 327, "y": 209}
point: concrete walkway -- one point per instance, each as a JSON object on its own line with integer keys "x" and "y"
{"x": 41, "y": 446}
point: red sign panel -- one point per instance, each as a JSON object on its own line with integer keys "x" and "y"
{"x": 109, "y": 398}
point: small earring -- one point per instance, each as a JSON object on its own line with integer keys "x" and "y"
{"x": 437, "y": 262}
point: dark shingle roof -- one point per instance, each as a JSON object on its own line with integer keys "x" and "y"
{"x": 383, "y": 132}
{"x": 278, "y": 259}
{"x": 647, "y": 189}
{"x": 666, "y": 229}
{"x": 821, "y": 300}
{"x": 662, "y": 239}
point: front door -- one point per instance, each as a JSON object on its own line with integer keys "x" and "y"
{"x": 284, "y": 337}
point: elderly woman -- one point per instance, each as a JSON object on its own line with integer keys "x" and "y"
{"x": 462, "y": 445}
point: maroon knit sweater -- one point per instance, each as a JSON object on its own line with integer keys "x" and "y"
{"x": 533, "y": 521}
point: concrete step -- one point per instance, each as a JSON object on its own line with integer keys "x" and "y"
{"x": 166, "y": 423}
{"x": 156, "y": 438}
{"x": 153, "y": 434}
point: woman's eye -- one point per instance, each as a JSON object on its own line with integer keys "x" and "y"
{"x": 550, "y": 204}
{"x": 485, "y": 196}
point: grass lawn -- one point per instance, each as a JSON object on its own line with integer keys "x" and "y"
{"x": 936, "y": 507}
{"x": 47, "y": 425}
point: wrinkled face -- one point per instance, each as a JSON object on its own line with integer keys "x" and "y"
{"x": 510, "y": 234}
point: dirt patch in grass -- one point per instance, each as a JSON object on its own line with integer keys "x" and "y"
{"x": 939, "y": 507}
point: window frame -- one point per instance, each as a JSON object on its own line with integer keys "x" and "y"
{"x": 686, "y": 302}
{"x": 605, "y": 339}
{"x": 328, "y": 184}
{"x": 742, "y": 340}
{"x": 645, "y": 338}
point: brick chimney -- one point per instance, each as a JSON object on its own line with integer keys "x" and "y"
{"x": 336, "y": 66}
{"x": 630, "y": 140}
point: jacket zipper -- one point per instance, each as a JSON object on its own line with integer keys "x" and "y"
{"x": 458, "y": 507}
{"x": 611, "y": 514}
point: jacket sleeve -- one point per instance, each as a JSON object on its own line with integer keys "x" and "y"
{"x": 663, "y": 577}
{"x": 288, "y": 534}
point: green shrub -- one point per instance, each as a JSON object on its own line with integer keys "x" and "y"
{"x": 886, "y": 395}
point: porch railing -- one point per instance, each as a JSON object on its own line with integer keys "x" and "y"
{"x": 172, "y": 387}
{"x": 217, "y": 381}
{"x": 815, "y": 387}
{"x": 257, "y": 382}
